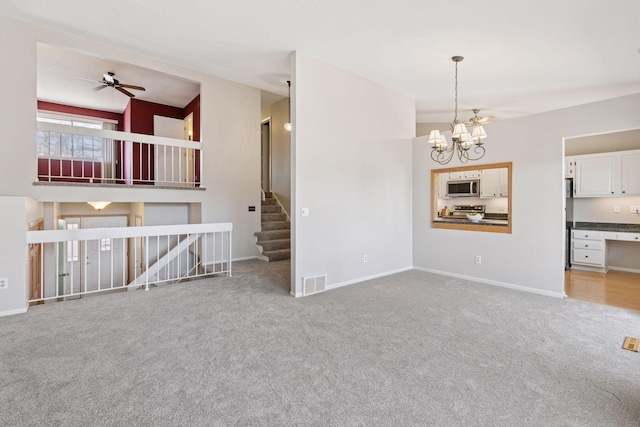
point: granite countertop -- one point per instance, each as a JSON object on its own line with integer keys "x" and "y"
{"x": 607, "y": 226}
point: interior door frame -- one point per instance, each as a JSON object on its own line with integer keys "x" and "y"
{"x": 267, "y": 122}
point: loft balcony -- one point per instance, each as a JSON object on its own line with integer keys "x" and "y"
{"x": 76, "y": 155}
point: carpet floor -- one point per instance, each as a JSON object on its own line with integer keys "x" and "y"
{"x": 409, "y": 349}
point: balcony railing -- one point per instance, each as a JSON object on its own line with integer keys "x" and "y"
{"x": 81, "y": 155}
{"x": 86, "y": 261}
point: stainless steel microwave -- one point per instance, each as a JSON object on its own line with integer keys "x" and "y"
{"x": 467, "y": 188}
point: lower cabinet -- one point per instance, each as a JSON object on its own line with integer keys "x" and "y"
{"x": 587, "y": 248}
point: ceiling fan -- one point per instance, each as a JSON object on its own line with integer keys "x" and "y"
{"x": 108, "y": 80}
{"x": 476, "y": 121}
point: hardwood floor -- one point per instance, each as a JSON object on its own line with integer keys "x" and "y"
{"x": 616, "y": 288}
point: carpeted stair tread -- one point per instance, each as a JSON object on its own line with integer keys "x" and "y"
{"x": 278, "y": 254}
{"x": 270, "y": 217}
{"x": 271, "y": 245}
{"x": 276, "y": 225}
{"x": 269, "y": 202}
{"x": 273, "y": 235}
{"x": 271, "y": 209}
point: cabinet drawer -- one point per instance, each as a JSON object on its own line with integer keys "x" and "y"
{"x": 594, "y": 245}
{"x": 586, "y": 256}
{"x": 587, "y": 234}
{"x": 631, "y": 237}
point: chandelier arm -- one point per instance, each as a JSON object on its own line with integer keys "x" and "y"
{"x": 442, "y": 156}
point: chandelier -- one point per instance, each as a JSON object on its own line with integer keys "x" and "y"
{"x": 467, "y": 146}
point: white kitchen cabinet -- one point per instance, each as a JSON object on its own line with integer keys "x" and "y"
{"x": 442, "y": 185}
{"x": 494, "y": 183}
{"x": 588, "y": 248}
{"x": 595, "y": 175}
{"x": 569, "y": 167}
{"x": 468, "y": 174}
{"x": 607, "y": 174}
{"x": 630, "y": 163}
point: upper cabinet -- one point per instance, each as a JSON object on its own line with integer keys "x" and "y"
{"x": 468, "y": 174}
{"x": 494, "y": 182}
{"x": 607, "y": 174}
{"x": 631, "y": 173}
{"x": 570, "y": 167}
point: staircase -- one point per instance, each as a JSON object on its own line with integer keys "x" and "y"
{"x": 275, "y": 237}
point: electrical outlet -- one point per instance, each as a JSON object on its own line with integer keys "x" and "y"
{"x": 365, "y": 259}
{"x": 616, "y": 209}
{"x": 478, "y": 259}
{"x": 4, "y": 283}
{"x": 634, "y": 209}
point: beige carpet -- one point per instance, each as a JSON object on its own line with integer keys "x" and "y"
{"x": 408, "y": 349}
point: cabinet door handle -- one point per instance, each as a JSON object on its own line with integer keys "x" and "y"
{"x": 586, "y": 256}
{"x": 586, "y": 235}
{"x": 586, "y": 246}
{"x": 623, "y": 191}
{"x": 612, "y": 192}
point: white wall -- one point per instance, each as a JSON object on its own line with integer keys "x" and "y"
{"x": 532, "y": 257}
{"x": 352, "y": 154}
{"x": 13, "y": 253}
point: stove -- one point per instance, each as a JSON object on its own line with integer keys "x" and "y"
{"x": 461, "y": 211}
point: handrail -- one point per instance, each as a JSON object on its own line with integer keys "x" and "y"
{"x": 53, "y": 236}
{"x": 118, "y": 135}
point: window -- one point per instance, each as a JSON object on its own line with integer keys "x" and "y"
{"x": 67, "y": 145}
{"x": 105, "y": 245}
{"x": 72, "y": 246}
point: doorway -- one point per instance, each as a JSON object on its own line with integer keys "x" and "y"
{"x": 265, "y": 154}
{"x": 604, "y": 267}
{"x": 173, "y": 164}
{"x": 95, "y": 264}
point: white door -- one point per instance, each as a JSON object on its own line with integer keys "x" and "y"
{"x": 104, "y": 260}
{"x": 72, "y": 259}
{"x": 172, "y": 164}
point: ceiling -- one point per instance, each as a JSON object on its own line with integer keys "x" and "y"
{"x": 63, "y": 76}
{"x": 521, "y": 57}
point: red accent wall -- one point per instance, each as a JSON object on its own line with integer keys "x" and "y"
{"x": 68, "y": 109}
{"x": 142, "y": 113}
{"x": 69, "y": 171}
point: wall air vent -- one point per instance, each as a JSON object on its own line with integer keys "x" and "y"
{"x": 314, "y": 284}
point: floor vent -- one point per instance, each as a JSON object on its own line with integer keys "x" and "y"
{"x": 314, "y": 284}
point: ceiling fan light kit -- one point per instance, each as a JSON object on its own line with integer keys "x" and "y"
{"x": 108, "y": 80}
{"x": 462, "y": 140}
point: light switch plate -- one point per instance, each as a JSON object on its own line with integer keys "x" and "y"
{"x": 4, "y": 283}
{"x": 305, "y": 211}
{"x": 616, "y": 209}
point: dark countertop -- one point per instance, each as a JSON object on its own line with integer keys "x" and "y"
{"x": 499, "y": 222}
{"x": 607, "y": 226}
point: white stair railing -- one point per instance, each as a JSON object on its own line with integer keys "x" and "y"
{"x": 86, "y": 261}
{"x": 82, "y": 155}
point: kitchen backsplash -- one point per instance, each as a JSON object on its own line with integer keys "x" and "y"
{"x": 600, "y": 209}
{"x": 493, "y": 205}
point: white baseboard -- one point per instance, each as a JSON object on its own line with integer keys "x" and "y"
{"x": 495, "y": 283}
{"x": 12, "y": 312}
{"x": 364, "y": 279}
{"x": 627, "y": 270}
{"x": 293, "y": 294}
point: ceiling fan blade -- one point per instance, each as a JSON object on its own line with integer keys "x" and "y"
{"x": 131, "y": 86}
{"x": 97, "y": 88}
{"x": 485, "y": 120}
{"x": 126, "y": 92}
